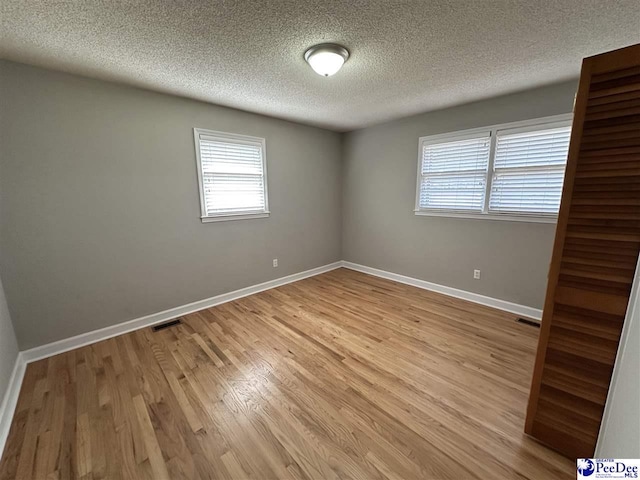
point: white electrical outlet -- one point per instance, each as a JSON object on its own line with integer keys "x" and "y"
{"x": 275, "y": 262}
{"x": 476, "y": 274}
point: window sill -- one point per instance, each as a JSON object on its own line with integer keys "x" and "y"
{"x": 488, "y": 216}
{"x": 234, "y": 216}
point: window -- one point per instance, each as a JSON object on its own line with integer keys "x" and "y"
{"x": 454, "y": 173}
{"x": 513, "y": 171}
{"x": 528, "y": 170}
{"x": 232, "y": 174}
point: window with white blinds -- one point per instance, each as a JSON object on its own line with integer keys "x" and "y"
{"x": 505, "y": 171}
{"x": 453, "y": 174}
{"x": 232, "y": 175}
{"x": 529, "y": 170}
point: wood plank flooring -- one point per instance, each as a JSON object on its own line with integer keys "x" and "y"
{"x": 339, "y": 376}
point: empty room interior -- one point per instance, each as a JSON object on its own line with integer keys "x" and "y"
{"x": 303, "y": 239}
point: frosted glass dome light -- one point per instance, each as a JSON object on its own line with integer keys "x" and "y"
{"x": 326, "y": 59}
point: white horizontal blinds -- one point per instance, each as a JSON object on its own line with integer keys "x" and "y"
{"x": 453, "y": 174}
{"x": 232, "y": 176}
{"x": 529, "y": 171}
{"x": 539, "y": 148}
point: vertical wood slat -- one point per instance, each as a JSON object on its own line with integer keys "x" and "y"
{"x": 597, "y": 243}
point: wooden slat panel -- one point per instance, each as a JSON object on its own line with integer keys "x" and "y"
{"x": 594, "y": 258}
{"x": 579, "y": 405}
{"x": 625, "y": 88}
{"x": 626, "y": 72}
{"x": 613, "y": 142}
{"x": 627, "y": 82}
{"x": 630, "y": 215}
{"x": 606, "y": 107}
{"x": 586, "y": 321}
{"x": 611, "y": 151}
{"x": 586, "y": 197}
{"x": 629, "y": 182}
{"x": 609, "y": 163}
{"x": 599, "y": 302}
{"x": 570, "y": 382}
{"x": 627, "y": 225}
{"x": 610, "y": 122}
{"x": 593, "y": 286}
{"x": 606, "y": 200}
{"x": 613, "y": 113}
{"x": 603, "y": 247}
{"x": 602, "y": 137}
{"x": 629, "y": 169}
{"x": 600, "y": 273}
{"x": 583, "y": 344}
{"x": 590, "y": 235}
{"x": 570, "y": 421}
{"x": 598, "y": 266}
{"x": 581, "y": 370}
{"x": 629, "y": 125}
{"x": 553, "y": 435}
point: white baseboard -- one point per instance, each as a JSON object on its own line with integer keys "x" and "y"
{"x": 61, "y": 346}
{"x": 523, "y": 310}
{"x": 10, "y": 400}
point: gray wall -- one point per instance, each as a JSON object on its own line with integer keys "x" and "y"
{"x": 99, "y": 214}
{"x": 8, "y": 347}
{"x": 620, "y": 432}
{"x": 100, "y": 211}
{"x": 381, "y": 231}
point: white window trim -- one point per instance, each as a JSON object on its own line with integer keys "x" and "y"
{"x": 512, "y": 127}
{"x": 243, "y": 215}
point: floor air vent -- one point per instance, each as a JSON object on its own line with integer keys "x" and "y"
{"x": 529, "y": 322}
{"x": 168, "y": 324}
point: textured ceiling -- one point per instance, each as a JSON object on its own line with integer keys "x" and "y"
{"x": 406, "y": 56}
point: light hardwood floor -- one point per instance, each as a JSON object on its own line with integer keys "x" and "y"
{"x": 339, "y": 376}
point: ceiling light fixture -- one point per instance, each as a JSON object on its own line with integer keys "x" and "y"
{"x": 327, "y": 58}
